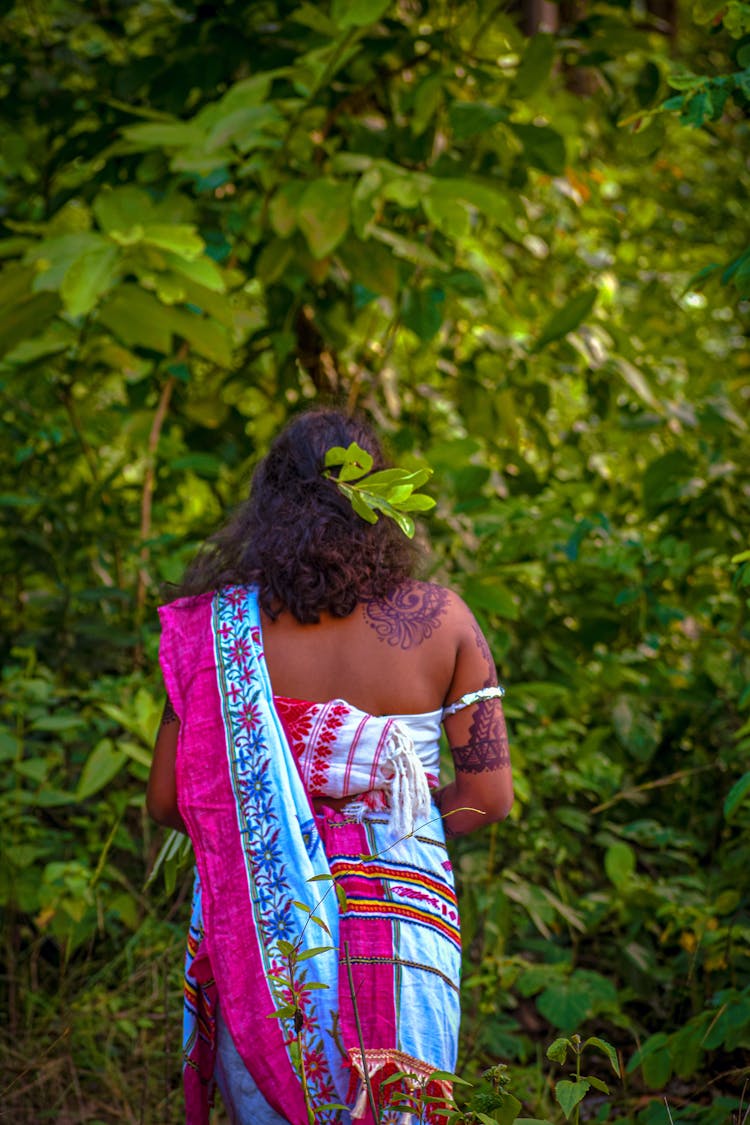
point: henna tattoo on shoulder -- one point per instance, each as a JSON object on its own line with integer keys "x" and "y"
{"x": 409, "y": 615}
{"x": 169, "y": 715}
{"x": 484, "y": 648}
{"x": 487, "y": 747}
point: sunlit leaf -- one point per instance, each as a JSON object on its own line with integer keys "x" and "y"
{"x": 567, "y": 318}
{"x": 88, "y": 278}
{"x": 103, "y": 764}
{"x": 306, "y": 954}
{"x": 323, "y": 215}
{"x": 357, "y": 13}
{"x": 736, "y": 795}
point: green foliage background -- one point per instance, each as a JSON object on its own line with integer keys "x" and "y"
{"x": 527, "y": 259}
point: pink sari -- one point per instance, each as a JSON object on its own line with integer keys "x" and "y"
{"x": 384, "y": 989}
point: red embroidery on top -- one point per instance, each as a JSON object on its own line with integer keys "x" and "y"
{"x": 297, "y": 717}
{"x": 310, "y": 736}
{"x": 323, "y": 745}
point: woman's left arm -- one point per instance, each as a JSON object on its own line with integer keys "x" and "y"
{"x": 482, "y": 789}
{"x": 161, "y": 793}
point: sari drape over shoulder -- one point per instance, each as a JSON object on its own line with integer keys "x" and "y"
{"x": 380, "y": 993}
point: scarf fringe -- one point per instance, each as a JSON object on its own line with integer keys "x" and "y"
{"x": 380, "y": 1065}
{"x": 409, "y": 790}
{"x": 406, "y": 793}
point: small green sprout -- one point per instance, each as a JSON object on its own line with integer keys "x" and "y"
{"x": 390, "y": 491}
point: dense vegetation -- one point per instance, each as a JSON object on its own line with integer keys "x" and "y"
{"x": 527, "y": 258}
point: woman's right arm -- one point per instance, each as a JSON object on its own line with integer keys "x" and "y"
{"x": 161, "y": 794}
{"x": 478, "y": 739}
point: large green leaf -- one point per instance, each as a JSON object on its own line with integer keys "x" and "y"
{"x": 138, "y": 319}
{"x": 89, "y": 277}
{"x": 567, "y": 318}
{"x": 543, "y": 147}
{"x": 422, "y": 311}
{"x": 163, "y": 134}
{"x": 283, "y": 208}
{"x": 736, "y": 795}
{"x": 26, "y": 318}
{"x": 244, "y": 128}
{"x": 205, "y": 336}
{"x": 492, "y": 594}
{"x": 53, "y": 256}
{"x": 468, "y": 119}
{"x": 567, "y": 1001}
{"x": 447, "y": 214}
{"x": 122, "y": 208}
{"x": 178, "y": 238}
{"x": 569, "y": 1094}
{"x": 357, "y": 13}
{"x": 427, "y": 98}
{"x": 202, "y": 271}
{"x": 535, "y": 66}
{"x": 323, "y": 215}
{"x": 251, "y": 91}
{"x": 372, "y": 265}
{"x": 666, "y": 479}
{"x": 637, "y": 730}
{"x": 508, "y": 1112}
{"x": 619, "y": 863}
{"x": 492, "y": 201}
{"x": 103, "y": 764}
{"x": 657, "y": 1068}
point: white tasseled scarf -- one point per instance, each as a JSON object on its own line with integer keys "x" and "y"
{"x": 402, "y": 777}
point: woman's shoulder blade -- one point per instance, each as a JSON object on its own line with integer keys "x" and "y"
{"x": 412, "y": 613}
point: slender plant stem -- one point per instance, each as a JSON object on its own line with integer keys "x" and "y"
{"x": 66, "y": 396}
{"x": 291, "y": 961}
{"x": 670, "y": 779}
{"x": 167, "y": 1075}
{"x": 305, "y": 1087}
{"x": 742, "y": 1118}
{"x": 418, "y": 828}
{"x": 146, "y": 498}
{"x": 360, "y": 1037}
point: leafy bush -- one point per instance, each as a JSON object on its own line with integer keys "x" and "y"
{"x": 214, "y": 215}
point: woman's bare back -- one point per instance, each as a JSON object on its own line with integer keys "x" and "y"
{"x": 395, "y": 655}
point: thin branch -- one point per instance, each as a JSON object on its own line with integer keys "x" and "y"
{"x": 66, "y": 395}
{"x": 360, "y": 1037}
{"x": 742, "y": 1118}
{"x": 148, "y": 491}
{"x": 670, "y": 779}
{"x": 36, "y": 1065}
{"x": 374, "y": 85}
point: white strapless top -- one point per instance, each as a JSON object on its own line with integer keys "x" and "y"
{"x": 381, "y": 761}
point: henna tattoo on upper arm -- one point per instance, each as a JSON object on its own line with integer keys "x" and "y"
{"x": 487, "y": 747}
{"x": 484, "y": 648}
{"x": 409, "y": 615}
{"x": 169, "y": 715}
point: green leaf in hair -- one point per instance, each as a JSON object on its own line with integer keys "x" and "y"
{"x": 391, "y": 492}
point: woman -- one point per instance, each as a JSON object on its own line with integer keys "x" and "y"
{"x": 307, "y": 675}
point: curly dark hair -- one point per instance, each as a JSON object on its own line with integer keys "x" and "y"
{"x": 297, "y": 538}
